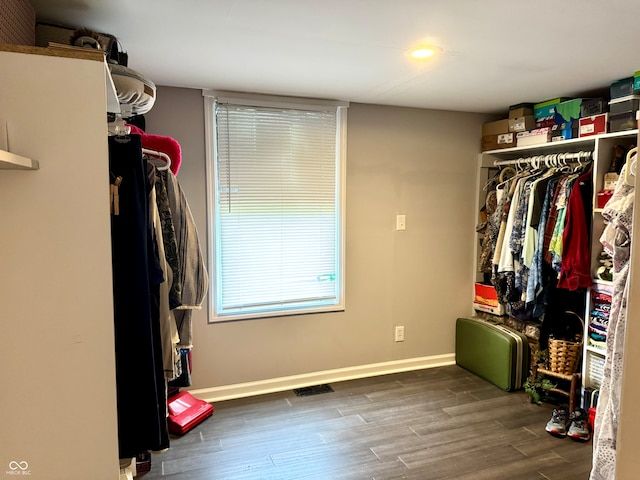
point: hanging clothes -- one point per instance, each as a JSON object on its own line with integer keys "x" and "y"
{"x": 168, "y": 330}
{"x": 616, "y": 240}
{"x": 490, "y": 231}
{"x": 193, "y": 273}
{"x": 556, "y": 245}
{"x": 575, "y": 271}
{"x": 169, "y": 241}
{"x": 532, "y": 235}
{"x": 140, "y": 380}
{"x": 540, "y": 274}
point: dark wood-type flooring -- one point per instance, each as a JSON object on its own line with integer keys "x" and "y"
{"x": 439, "y": 423}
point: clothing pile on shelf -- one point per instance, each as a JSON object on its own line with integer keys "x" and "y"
{"x": 599, "y": 318}
{"x": 537, "y": 237}
{"x": 159, "y": 277}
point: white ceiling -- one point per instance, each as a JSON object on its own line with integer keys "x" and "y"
{"x": 495, "y": 52}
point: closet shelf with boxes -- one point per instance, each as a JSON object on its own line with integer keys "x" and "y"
{"x": 561, "y": 119}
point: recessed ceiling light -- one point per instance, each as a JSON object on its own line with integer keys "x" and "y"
{"x": 421, "y": 53}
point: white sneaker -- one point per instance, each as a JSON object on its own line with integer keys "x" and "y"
{"x": 557, "y": 426}
{"x": 579, "y": 428}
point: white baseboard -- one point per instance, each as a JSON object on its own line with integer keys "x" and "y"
{"x": 249, "y": 389}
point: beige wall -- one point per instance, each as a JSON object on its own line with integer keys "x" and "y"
{"x": 415, "y": 162}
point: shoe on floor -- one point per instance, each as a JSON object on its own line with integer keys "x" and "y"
{"x": 557, "y": 426}
{"x": 579, "y": 428}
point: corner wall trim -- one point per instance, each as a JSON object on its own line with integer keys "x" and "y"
{"x": 260, "y": 387}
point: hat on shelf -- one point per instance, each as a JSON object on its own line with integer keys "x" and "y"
{"x": 136, "y": 93}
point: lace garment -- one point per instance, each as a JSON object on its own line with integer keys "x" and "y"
{"x": 616, "y": 239}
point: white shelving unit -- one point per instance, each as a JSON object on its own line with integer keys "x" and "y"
{"x": 602, "y": 147}
{"x": 596, "y": 350}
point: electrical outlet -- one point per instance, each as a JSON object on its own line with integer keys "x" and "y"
{"x": 399, "y": 333}
{"x": 401, "y": 222}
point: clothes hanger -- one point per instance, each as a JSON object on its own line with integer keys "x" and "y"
{"x": 118, "y": 129}
{"x": 630, "y": 167}
{"x": 490, "y": 182}
{"x": 536, "y": 162}
{"x": 506, "y": 171}
{"x": 563, "y": 161}
{"x": 160, "y": 155}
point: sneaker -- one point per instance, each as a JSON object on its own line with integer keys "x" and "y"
{"x": 557, "y": 426}
{"x": 579, "y": 428}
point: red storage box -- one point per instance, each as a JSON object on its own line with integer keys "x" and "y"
{"x": 594, "y": 125}
{"x": 486, "y": 299}
{"x": 603, "y": 197}
{"x": 186, "y": 411}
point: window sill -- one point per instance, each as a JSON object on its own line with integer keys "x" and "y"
{"x": 280, "y": 313}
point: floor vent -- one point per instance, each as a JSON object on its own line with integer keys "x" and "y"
{"x": 314, "y": 390}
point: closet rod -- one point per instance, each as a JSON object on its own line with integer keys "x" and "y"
{"x": 552, "y": 158}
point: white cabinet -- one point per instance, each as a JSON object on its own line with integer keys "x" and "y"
{"x": 56, "y": 313}
{"x": 603, "y": 152}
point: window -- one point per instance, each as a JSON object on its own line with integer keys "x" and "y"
{"x": 276, "y": 198}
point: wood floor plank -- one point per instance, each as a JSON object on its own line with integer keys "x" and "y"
{"x": 431, "y": 447}
{"x": 450, "y": 449}
{"x": 439, "y": 423}
{"x": 527, "y": 467}
{"x": 463, "y": 463}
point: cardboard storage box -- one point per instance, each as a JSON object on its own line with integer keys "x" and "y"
{"x": 533, "y": 137}
{"x": 521, "y": 110}
{"x": 610, "y": 180}
{"x": 565, "y": 131}
{"x": 495, "y": 128}
{"x": 48, "y": 32}
{"x": 522, "y": 124}
{"x": 545, "y": 122}
{"x": 494, "y": 142}
{"x": 486, "y": 299}
{"x": 546, "y": 109}
{"x": 594, "y": 125}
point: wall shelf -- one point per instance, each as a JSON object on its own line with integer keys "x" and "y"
{"x": 603, "y": 283}
{"x": 11, "y": 161}
{"x": 597, "y": 351}
{"x": 561, "y": 146}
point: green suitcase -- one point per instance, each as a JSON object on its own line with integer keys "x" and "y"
{"x": 494, "y": 352}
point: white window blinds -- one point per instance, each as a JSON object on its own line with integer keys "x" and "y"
{"x": 278, "y": 204}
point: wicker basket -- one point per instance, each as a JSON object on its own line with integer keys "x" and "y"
{"x": 564, "y": 355}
